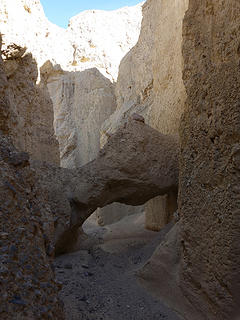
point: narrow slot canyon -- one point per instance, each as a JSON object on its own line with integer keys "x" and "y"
{"x": 119, "y": 161}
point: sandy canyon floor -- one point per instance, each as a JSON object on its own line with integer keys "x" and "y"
{"x": 100, "y": 282}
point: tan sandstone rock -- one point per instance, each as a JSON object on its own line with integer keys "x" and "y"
{"x": 28, "y": 289}
{"x": 209, "y": 162}
{"x": 137, "y": 164}
{"x": 92, "y": 46}
{"x": 30, "y": 107}
{"x": 93, "y": 38}
{"x": 82, "y": 101}
{"x": 150, "y": 83}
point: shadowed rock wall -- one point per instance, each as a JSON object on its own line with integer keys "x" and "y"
{"x": 28, "y": 289}
{"x": 209, "y": 198}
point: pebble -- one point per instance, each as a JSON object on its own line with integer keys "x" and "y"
{"x": 18, "y": 301}
{"x": 84, "y": 299}
{"x": 88, "y": 274}
{"x": 4, "y": 235}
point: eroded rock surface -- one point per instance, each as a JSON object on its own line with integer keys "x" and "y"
{"x": 150, "y": 83}
{"x": 92, "y": 46}
{"x": 28, "y": 289}
{"x": 93, "y": 39}
{"x": 82, "y": 101}
{"x": 209, "y": 161}
{"x": 137, "y": 164}
{"x": 30, "y": 108}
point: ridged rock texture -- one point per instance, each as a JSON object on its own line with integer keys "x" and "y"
{"x": 87, "y": 99}
{"x": 210, "y": 159}
{"x": 150, "y": 83}
{"x": 28, "y": 289}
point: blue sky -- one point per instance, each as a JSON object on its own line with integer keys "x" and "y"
{"x": 60, "y": 11}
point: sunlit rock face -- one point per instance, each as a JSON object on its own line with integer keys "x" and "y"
{"x": 30, "y": 107}
{"x": 93, "y": 38}
{"x": 24, "y": 23}
{"x": 150, "y": 83}
{"x": 102, "y": 38}
{"x": 93, "y": 45}
{"x": 82, "y": 102}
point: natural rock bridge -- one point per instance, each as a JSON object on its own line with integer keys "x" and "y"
{"x": 136, "y": 164}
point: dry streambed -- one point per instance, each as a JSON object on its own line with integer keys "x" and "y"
{"x": 99, "y": 281}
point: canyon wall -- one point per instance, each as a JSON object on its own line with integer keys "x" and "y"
{"x": 150, "y": 83}
{"x": 209, "y": 161}
{"x": 93, "y": 38}
{"x": 150, "y": 75}
{"x": 92, "y": 46}
{"x": 196, "y": 269}
{"x": 82, "y": 101}
{"x": 30, "y": 107}
{"x": 102, "y": 38}
{"x": 28, "y": 287}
